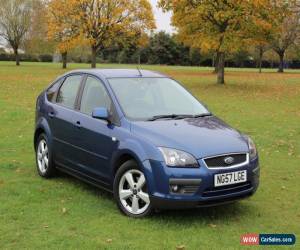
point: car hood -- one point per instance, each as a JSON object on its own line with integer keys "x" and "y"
{"x": 202, "y": 137}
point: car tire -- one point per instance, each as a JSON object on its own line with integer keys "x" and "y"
{"x": 44, "y": 161}
{"x": 130, "y": 191}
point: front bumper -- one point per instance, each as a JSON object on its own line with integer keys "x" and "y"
{"x": 161, "y": 203}
{"x": 199, "y": 183}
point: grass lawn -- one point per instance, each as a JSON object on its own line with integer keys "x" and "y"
{"x": 64, "y": 213}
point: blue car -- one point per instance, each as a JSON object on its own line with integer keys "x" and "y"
{"x": 142, "y": 136}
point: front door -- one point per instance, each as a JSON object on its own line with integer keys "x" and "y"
{"x": 93, "y": 137}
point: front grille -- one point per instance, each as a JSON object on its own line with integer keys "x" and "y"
{"x": 217, "y": 191}
{"x": 225, "y": 160}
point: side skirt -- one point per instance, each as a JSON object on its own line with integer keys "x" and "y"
{"x": 84, "y": 177}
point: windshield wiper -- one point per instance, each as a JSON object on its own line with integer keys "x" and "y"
{"x": 192, "y": 116}
{"x": 177, "y": 117}
{"x": 202, "y": 115}
{"x": 157, "y": 117}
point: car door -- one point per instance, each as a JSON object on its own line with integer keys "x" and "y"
{"x": 60, "y": 120}
{"x": 93, "y": 137}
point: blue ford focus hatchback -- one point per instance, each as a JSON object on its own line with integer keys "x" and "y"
{"x": 143, "y": 137}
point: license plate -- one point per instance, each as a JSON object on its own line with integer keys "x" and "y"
{"x": 230, "y": 178}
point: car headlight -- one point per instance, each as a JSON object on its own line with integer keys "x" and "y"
{"x": 252, "y": 149}
{"x": 178, "y": 158}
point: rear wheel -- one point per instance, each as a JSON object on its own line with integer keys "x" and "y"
{"x": 130, "y": 191}
{"x": 45, "y": 166}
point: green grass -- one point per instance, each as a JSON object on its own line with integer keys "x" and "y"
{"x": 63, "y": 213}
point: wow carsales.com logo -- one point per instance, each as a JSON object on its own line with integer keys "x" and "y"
{"x": 268, "y": 239}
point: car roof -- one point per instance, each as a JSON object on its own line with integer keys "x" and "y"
{"x": 115, "y": 73}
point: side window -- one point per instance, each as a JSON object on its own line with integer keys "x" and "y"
{"x": 94, "y": 96}
{"x": 67, "y": 93}
{"x": 51, "y": 91}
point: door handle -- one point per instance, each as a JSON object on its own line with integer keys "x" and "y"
{"x": 51, "y": 114}
{"x": 78, "y": 124}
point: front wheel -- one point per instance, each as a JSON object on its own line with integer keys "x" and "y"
{"x": 130, "y": 191}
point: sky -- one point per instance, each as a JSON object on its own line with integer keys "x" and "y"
{"x": 163, "y": 20}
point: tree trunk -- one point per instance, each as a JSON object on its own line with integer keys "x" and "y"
{"x": 94, "y": 55}
{"x": 281, "y": 62}
{"x": 139, "y": 57}
{"x": 216, "y": 62}
{"x": 64, "y": 57}
{"x": 261, "y": 53}
{"x": 17, "y": 56}
{"x": 221, "y": 68}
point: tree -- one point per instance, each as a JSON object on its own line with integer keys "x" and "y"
{"x": 36, "y": 41}
{"x": 162, "y": 49}
{"x": 131, "y": 46}
{"x": 261, "y": 48}
{"x": 286, "y": 25}
{"x": 240, "y": 57}
{"x": 210, "y": 25}
{"x": 15, "y": 16}
{"x": 159, "y": 48}
{"x": 103, "y": 22}
{"x": 62, "y": 28}
{"x": 195, "y": 57}
{"x": 261, "y": 27}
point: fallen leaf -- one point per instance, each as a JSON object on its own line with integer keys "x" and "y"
{"x": 64, "y": 210}
{"x": 181, "y": 247}
{"x": 109, "y": 240}
{"x": 213, "y": 225}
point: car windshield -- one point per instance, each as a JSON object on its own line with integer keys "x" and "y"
{"x": 155, "y": 98}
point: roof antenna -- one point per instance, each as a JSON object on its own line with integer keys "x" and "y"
{"x": 140, "y": 73}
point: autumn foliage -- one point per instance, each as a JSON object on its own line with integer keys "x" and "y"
{"x": 225, "y": 26}
{"x": 98, "y": 23}
{"x": 218, "y": 29}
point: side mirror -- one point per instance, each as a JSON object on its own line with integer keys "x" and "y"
{"x": 101, "y": 113}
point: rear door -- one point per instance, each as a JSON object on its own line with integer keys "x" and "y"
{"x": 93, "y": 137}
{"x": 60, "y": 120}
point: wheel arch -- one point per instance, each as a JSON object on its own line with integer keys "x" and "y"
{"x": 122, "y": 157}
{"x": 42, "y": 127}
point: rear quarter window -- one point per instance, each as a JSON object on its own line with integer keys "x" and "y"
{"x": 52, "y": 90}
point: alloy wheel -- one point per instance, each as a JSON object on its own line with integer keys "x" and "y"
{"x": 43, "y": 156}
{"x": 133, "y": 192}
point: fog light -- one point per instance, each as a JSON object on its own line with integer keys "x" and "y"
{"x": 174, "y": 188}
{"x": 184, "y": 186}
